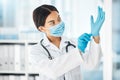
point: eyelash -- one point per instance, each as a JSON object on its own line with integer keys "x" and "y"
{"x": 52, "y": 23}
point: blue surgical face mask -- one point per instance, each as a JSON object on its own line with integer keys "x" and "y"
{"x": 57, "y": 30}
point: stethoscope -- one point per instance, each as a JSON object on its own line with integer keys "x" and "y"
{"x": 49, "y": 55}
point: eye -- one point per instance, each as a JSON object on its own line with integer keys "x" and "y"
{"x": 52, "y": 23}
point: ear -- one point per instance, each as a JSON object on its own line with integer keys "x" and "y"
{"x": 41, "y": 28}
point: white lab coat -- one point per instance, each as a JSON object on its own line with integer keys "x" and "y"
{"x": 63, "y": 64}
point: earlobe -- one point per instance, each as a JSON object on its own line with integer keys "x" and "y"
{"x": 41, "y": 28}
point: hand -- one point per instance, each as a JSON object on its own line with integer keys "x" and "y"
{"x": 83, "y": 41}
{"x": 96, "y": 26}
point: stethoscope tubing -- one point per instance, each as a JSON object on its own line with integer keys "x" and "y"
{"x": 49, "y": 55}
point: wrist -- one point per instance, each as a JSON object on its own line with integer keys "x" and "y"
{"x": 96, "y": 39}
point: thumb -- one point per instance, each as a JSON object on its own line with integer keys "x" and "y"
{"x": 92, "y": 20}
{"x": 90, "y": 34}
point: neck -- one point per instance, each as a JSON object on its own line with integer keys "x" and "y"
{"x": 55, "y": 40}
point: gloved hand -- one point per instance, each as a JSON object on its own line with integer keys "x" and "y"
{"x": 96, "y": 26}
{"x": 83, "y": 41}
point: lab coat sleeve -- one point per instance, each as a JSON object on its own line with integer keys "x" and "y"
{"x": 92, "y": 57}
{"x": 58, "y": 66}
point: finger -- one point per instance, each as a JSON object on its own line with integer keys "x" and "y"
{"x": 102, "y": 18}
{"x": 99, "y": 14}
{"x": 102, "y": 15}
{"x": 87, "y": 35}
{"x": 90, "y": 34}
{"x": 82, "y": 40}
{"x": 92, "y": 20}
{"x": 85, "y": 38}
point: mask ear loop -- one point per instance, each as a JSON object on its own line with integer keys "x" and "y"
{"x": 69, "y": 44}
{"x": 49, "y": 56}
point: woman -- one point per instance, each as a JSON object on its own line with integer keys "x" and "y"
{"x": 57, "y": 57}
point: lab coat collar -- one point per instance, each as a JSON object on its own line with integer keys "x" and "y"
{"x": 63, "y": 42}
{"x": 47, "y": 43}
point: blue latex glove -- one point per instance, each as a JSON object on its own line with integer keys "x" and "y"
{"x": 83, "y": 41}
{"x": 96, "y": 26}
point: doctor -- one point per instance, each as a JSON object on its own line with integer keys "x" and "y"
{"x": 58, "y": 58}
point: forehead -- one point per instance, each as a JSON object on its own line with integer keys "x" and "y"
{"x": 52, "y": 16}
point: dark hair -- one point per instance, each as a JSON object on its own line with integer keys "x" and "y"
{"x": 40, "y": 14}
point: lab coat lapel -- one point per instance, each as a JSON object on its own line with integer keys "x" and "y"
{"x": 49, "y": 45}
{"x": 63, "y": 43}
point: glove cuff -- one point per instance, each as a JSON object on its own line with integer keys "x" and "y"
{"x": 95, "y": 34}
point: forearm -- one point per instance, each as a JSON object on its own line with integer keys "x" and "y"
{"x": 92, "y": 56}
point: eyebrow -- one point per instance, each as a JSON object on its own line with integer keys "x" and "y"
{"x": 53, "y": 20}
{"x": 50, "y": 21}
